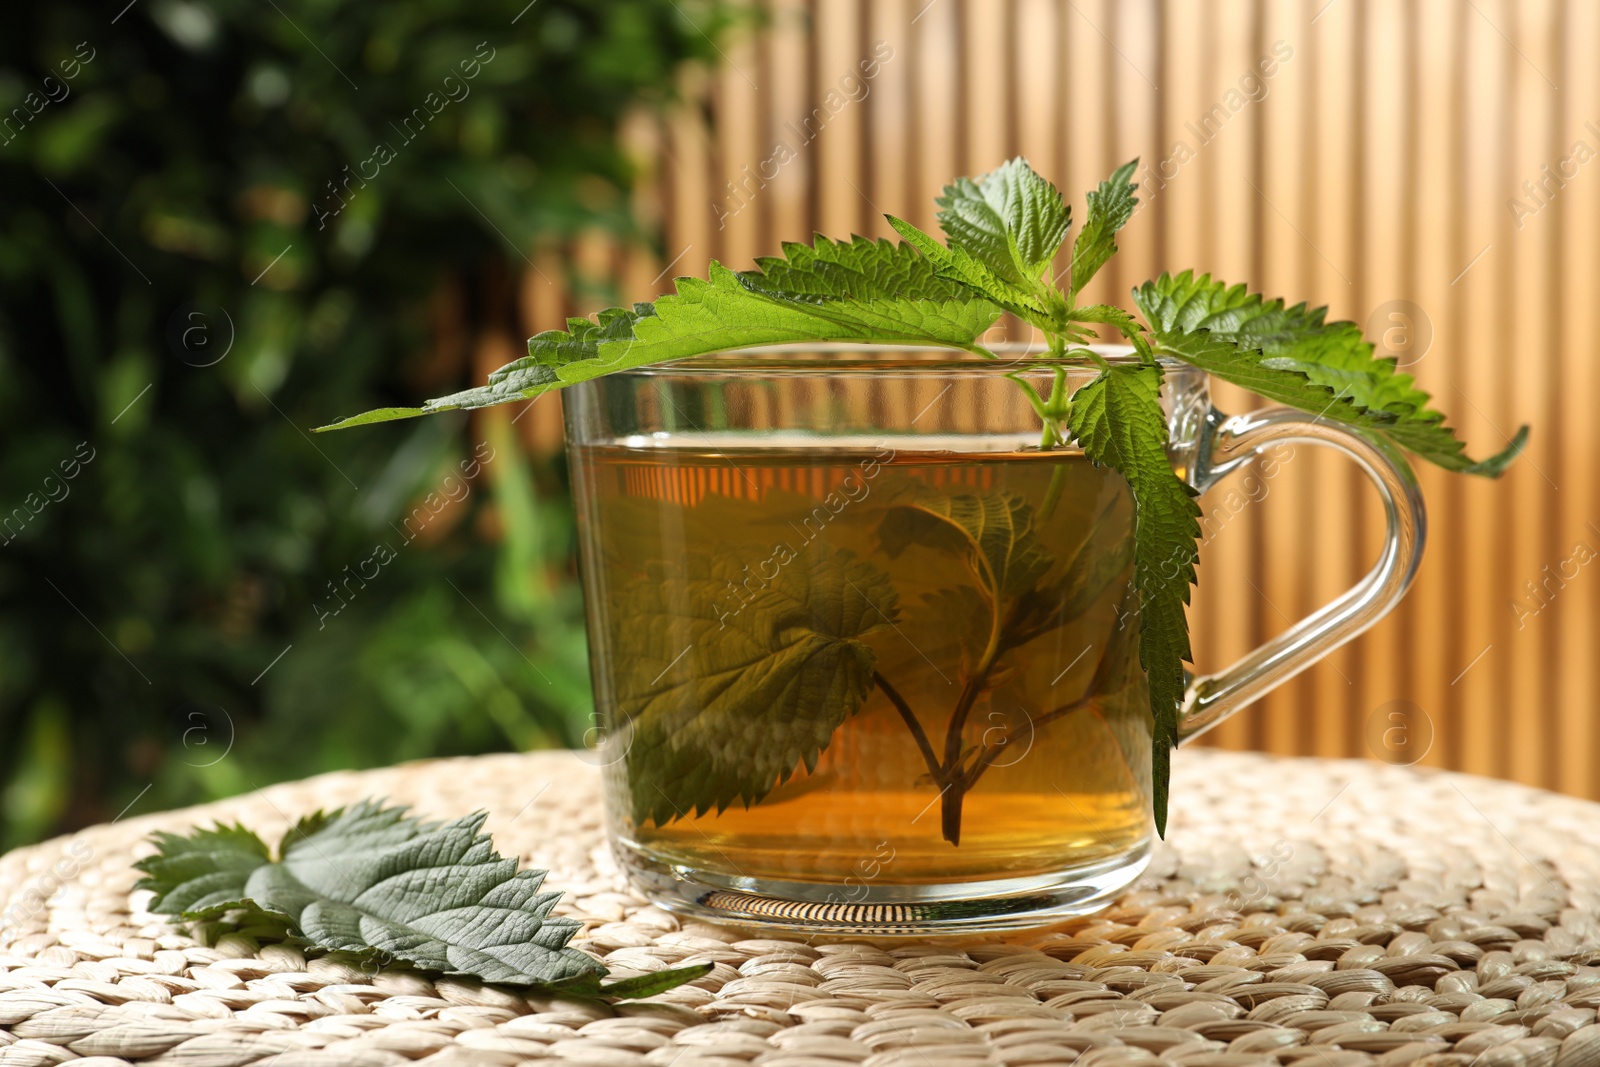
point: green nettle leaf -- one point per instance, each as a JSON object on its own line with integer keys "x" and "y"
{"x": 1294, "y": 356}
{"x": 731, "y": 680}
{"x": 1011, "y": 220}
{"x": 372, "y": 879}
{"x": 994, "y": 532}
{"x": 1249, "y": 367}
{"x": 847, "y": 291}
{"x": 860, "y": 270}
{"x": 202, "y": 875}
{"x": 955, "y": 264}
{"x": 1068, "y": 591}
{"x": 1110, "y": 208}
{"x": 1119, "y": 420}
{"x": 965, "y": 615}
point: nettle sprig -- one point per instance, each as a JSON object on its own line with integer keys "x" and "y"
{"x": 1004, "y": 232}
{"x": 388, "y": 887}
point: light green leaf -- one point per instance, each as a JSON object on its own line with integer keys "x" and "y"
{"x": 372, "y": 879}
{"x": 1124, "y": 322}
{"x": 1119, "y": 420}
{"x": 1110, "y": 208}
{"x": 856, "y": 291}
{"x": 1292, "y": 355}
{"x": 727, "y": 694}
{"x": 1011, "y": 220}
{"x": 956, "y": 265}
{"x": 367, "y": 418}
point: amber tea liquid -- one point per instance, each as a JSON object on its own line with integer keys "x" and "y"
{"x": 1059, "y": 722}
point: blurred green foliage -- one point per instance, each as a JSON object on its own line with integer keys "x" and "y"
{"x": 226, "y": 222}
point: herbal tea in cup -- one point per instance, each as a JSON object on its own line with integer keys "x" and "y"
{"x": 866, "y": 658}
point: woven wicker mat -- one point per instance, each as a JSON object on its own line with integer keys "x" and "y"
{"x": 1338, "y": 913}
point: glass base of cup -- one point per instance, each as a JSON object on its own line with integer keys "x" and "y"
{"x": 881, "y": 910}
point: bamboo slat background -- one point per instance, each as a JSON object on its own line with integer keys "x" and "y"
{"x": 1379, "y": 168}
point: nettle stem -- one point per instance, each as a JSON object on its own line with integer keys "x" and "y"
{"x": 1056, "y": 410}
{"x": 955, "y": 774}
{"x": 1052, "y": 412}
{"x": 911, "y": 721}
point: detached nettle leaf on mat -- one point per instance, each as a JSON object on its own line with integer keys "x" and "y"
{"x": 373, "y": 879}
{"x": 1005, "y": 250}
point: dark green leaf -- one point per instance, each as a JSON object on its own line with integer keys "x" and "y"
{"x": 372, "y": 879}
{"x": 727, "y": 694}
{"x": 202, "y": 875}
{"x": 1110, "y": 208}
{"x": 1101, "y": 558}
{"x": 856, "y": 291}
{"x": 1294, "y": 356}
{"x": 1011, "y": 220}
{"x": 1104, "y": 554}
{"x": 1117, "y": 670}
{"x": 1238, "y": 362}
{"x": 1119, "y": 420}
{"x": 858, "y": 270}
{"x": 964, "y": 623}
{"x": 1039, "y": 594}
{"x": 993, "y": 531}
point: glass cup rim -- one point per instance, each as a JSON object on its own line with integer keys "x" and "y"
{"x": 902, "y": 359}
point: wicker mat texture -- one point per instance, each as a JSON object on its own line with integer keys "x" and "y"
{"x": 1320, "y": 912}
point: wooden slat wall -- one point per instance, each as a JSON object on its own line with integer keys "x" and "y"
{"x": 1377, "y": 167}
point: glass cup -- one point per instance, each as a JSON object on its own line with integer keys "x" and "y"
{"x": 865, "y": 656}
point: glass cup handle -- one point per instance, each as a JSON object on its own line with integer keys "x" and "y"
{"x": 1232, "y": 442}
